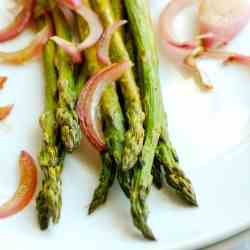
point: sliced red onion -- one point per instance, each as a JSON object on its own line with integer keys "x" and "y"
{"x": 72, "y": 4}
{"x": 67, "y": 14}
{"x": 95, "y": 28}
{"x": 237, "y": 58}
{"x": 182, "y": 53}
{"x": 166, "y": 23}
{"x": 104, "y": 43}
{"x": 89, "y": 100}
{"x": 5, "y": 111}
{"x": 190, "y": 61}
{"x": 219, "y": 22}
{"x": 32, "y": 50}
{"x": 20, "y": 23}
{"x": 26, "y": 187}
{"x": 177, "y": 50}
{"x": 69, "y": 47}
{"x": 3, "y": 79}
{"x": 224, "y": 19}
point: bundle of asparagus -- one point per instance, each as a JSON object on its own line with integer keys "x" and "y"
{"x": 59, "y": 122}
{"x": 137, "y": 148}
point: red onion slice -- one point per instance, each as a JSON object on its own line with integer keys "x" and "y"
{"x": 3, "y": 79}
{"x": 32, "y": 50}
{"x": 237, "y": 58}
{"x": 166, "y": 23}
{"x": 71, "y": 4}
{"x": 224, "y": 19}
{"x": 25, "y": 190}
{"x": 177, "y": 50}
{"x": 67, "y": 14}
{"x": 69, "y": 47}
{"x": 90, "y": 98}
{"x": 20, "y": 22}
{"x": 5, "y": 111}
{"x": 104, "y": 43}
{"x": 95, "y": 29}
{"x": 219, "y": 22}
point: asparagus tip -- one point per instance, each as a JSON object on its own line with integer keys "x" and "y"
{"x": 139, "y": 214}
{"x": 125, "y": 166}
{"x": 43, "y": 213}
{"x": 92, "y": 207}
{"x": 99, "y": 199}
{"x": 191, "y": 198}
{"x": 142, "y": 225}
{"x": 133, "y": 146}
{"x": 184, "y": 188}
{"x": 148, "y": 234}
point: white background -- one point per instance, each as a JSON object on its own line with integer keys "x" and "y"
{"x": 211, "y": 134}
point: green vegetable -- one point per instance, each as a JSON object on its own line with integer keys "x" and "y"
{"x": 175, "y": 177}
{"x": 107, "y": 178}
{"x": 51, "y": 157}
{"x": 130, "y": 92}
{"x": 117, "y": 9}
{"x": 140, "y": 23}
{"x": 66, "y": 115}
{"x": 158, "y": 176}
{"x": 113, "y": 120}
{"x": 113, "y": 127}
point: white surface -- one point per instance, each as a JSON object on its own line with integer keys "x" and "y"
{"x": 211, "y": 134}
{"x": 238, "y": 242}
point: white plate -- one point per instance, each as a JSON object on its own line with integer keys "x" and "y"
{"x": 210, "y": 131}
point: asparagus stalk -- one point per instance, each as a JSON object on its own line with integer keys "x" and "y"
{"x": 66, "y": 115}
{"x": 147, "y": 57}
{"x": 108, "y": 171}
{"x": 119, "y": 13}
{"x": 81, "y": 79}
{"x": 107, "y": 178}
{"x": 133, "y": 106}
{"x": 113, "y": 125}
{"x": 158, "y": 176}
{"x": 51, "y": 157}
{"x": 118, "y": 9}
{"x": 140, "y": 23}
{"x": 166, "y": 154}
{"x": 113, "y": 129}
{"x": 110, "y": 107}
{"x": 174, "y": 176}
{"x": 167, "y": 157}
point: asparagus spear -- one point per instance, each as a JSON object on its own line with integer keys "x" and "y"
{"x": 81, "y": 79}
{"x": 113, "y": 129}
{"x": 140, "y": 23}
{"x": 52, "y": 153}
{"x": 158, "y": 175}
{"x": 166, "y": 155}
{"x": 133, "y": 106}
{"x": 119, "y": 13}
{"x": 147, "y": 56}
{"x": 175, "y": 177}
{"x": 107, "y": 178}
{"x": 110, "y": 107}
{"x": 108, "y": 171}
{"x": 118, "y": 9}
{"x": 66, "y": 115}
